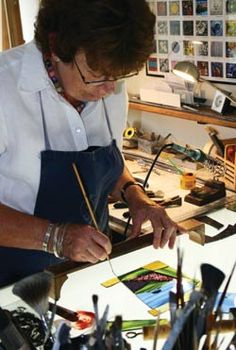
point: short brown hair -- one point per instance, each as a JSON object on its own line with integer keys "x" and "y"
{"x": 116, "y": 35}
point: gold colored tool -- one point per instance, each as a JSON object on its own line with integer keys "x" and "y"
{"x": 164, "y": 329}
{"x": 89, "y": 206}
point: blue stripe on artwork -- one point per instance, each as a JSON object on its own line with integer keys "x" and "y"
{"x": 157, "y": 297}
{"x": 160, "y": 296}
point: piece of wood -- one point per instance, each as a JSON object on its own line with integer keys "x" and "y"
{"x": 12, "y": 28}
{"x": 196, "y": 230}
{"x": 204, "y": 115}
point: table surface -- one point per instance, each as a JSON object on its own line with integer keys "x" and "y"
{"x": 77, "y": 291}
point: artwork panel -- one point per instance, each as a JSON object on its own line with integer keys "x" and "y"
{"x": 188, "y": 28}
{"x": 216, "y": 49}
{"x": 201, "y": 28}
{"x": 152, "y": 283}
{"x": 230, "y": 7}
{"x": 161, "y": 8}
{"x": 230, "y": 49}
{"x": 203, "y": 67}
{"x": 189, "y": 48}
{"x": 164, "y": 65}
{"x": 162, "y": 28}
{"x": 230, "y": 28}
{"x": 216, "y": 7}
{"x": 187, "y": 8}
{"x": 231, "y": 70}
{"x": 202, "y": 49}
{"x": 201, "y": 7}
{"x": 163, "y": 46}
{"x": 217, "y": 69}
{"x": 175, "y": 28}
{"x": 174, "y": 8}
{"x": 216, "y": 28}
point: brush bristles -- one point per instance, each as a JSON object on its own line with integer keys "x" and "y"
{"x": 212, "y": 278}
{"x": 34, "y": 290}
{"x": 95, "y": 299}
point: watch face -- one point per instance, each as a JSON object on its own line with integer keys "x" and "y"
{"x": 218, "y": 101}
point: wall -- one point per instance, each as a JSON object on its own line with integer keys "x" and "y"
{"x": 28, "y": 9}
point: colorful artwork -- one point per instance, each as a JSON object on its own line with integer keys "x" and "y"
{"x": 205, "y": 31}
{"x": 152, "y": 284}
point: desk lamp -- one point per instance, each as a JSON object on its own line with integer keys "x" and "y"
{"x": 189, "y": 72}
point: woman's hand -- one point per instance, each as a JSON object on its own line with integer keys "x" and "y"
{"x": 85, "y": 243}
{"x": 143, "y": 209}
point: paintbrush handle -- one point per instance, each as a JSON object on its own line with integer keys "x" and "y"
{"x": 89, "y": 207}
{"x": 64, "y": 312}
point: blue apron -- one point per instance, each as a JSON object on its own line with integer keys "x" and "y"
{"x": 60, "y": 200}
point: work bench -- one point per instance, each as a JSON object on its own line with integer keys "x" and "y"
{"x": 84, "y": 280}
{"x": 77, "y": 291}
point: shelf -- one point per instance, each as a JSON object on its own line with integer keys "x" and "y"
{"x": 204, "y": 115}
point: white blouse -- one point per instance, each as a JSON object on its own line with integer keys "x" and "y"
{"x": 26, "y": 94}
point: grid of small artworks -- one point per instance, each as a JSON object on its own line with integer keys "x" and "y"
{"x": 200, "y": 31}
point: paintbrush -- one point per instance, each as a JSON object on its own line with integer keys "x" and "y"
{"x": 212, "y": 278}
{"x": 98, "y": 326}
{"x": 103, "y": 321}
{"x": 89, "y": 207}
{"x": 218, "y": 308}
{"x": 64, "y": 312}
{"x": 156, "y": 331}
{"x": 34, "y": 291}
{"x": 179, "y": 286}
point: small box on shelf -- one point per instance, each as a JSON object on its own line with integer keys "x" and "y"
{"x": 229, "y": 161}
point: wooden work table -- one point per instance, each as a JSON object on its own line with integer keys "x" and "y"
{"x": 204, "y": 115}
{"x": 77, "y": 291}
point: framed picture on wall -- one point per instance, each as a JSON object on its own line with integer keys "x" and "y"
{"x": 200, "y": 31}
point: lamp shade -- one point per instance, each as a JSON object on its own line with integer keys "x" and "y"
{"x": 187, "y": 70}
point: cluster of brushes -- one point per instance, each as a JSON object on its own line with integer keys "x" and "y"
{"x": 194, "y": 325}
{"x": 198, "y": 324}
{"x": 34, "y": 291}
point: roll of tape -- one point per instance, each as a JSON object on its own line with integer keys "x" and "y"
{"x": 187, "y": 181}
{"x": 129, "y": 133}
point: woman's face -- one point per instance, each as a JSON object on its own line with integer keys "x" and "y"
{"x": 74, "y": 77}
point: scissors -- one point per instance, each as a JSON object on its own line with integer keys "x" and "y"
{"x": 132, "y": 334}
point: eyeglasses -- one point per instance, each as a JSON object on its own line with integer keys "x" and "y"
{"x": 101, "y": 81}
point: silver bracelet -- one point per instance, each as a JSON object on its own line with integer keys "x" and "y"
{"x": 55, "y": 237}
{"x": 58, "y": 246}
{"x": 47, "y": 236}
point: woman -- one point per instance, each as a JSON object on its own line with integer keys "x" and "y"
{"x": 63, "y": 102}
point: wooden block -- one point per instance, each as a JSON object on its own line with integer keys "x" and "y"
{"x": 196, "y": 230}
